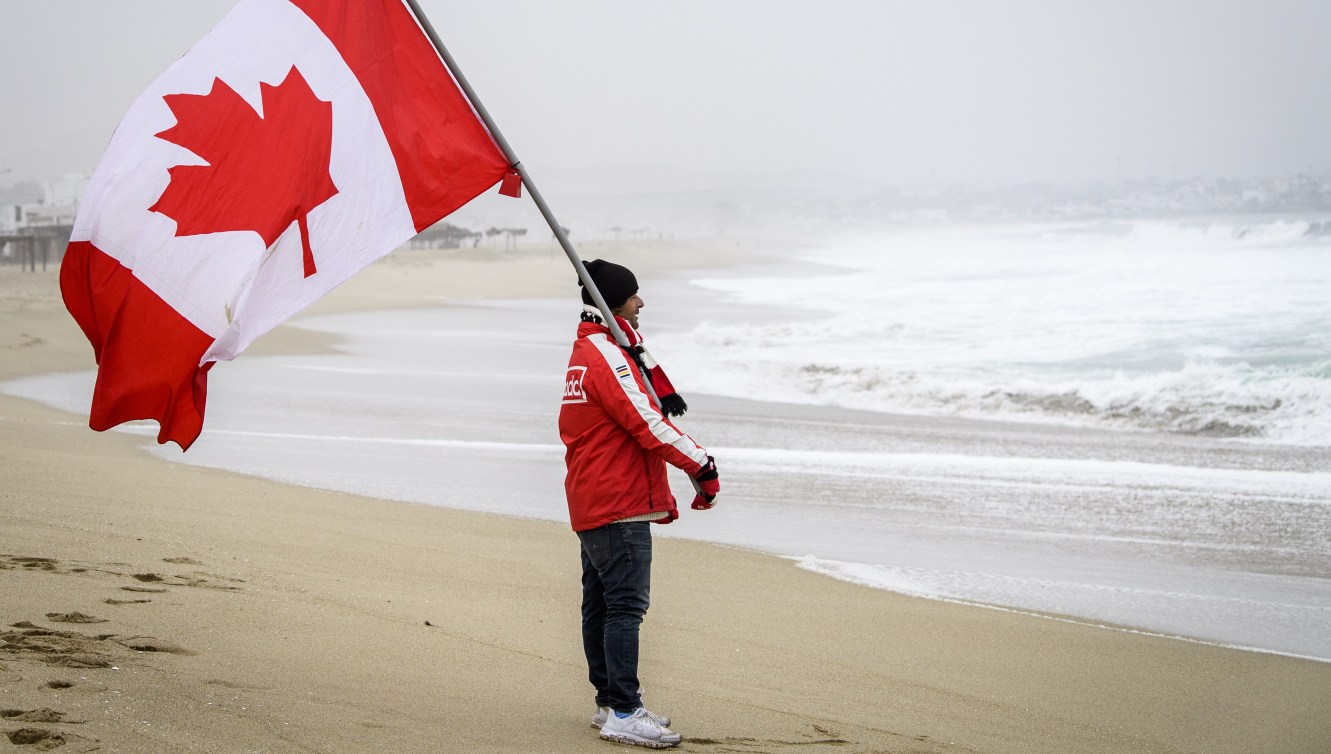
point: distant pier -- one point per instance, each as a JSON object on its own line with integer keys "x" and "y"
{"x": 26, "y": 246}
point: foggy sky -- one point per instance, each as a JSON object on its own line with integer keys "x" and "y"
{"x": 893, "y": 93}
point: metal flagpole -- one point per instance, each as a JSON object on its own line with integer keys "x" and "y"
{"x": 517, "y": 165}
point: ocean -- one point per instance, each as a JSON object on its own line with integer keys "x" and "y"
{"x": 1219, "y": 328}
{"x": 1111, "y": 422}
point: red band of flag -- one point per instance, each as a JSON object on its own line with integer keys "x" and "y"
{"x": 444, "y": 154}
{"x": 147, "y": 354}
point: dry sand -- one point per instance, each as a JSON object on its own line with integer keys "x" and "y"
{"x": 154, "y": 607}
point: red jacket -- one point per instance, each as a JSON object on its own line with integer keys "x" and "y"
{"x": 618, "y": 442}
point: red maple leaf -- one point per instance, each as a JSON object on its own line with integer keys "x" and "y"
{"x": 263, "y": 172}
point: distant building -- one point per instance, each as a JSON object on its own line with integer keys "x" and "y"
{"x": 45, "y": 215}
{"x": 11, "y": 217}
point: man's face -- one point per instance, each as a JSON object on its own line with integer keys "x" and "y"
{"x": 630, "y": 309}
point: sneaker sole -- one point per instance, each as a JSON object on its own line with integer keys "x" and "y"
{"x": 665, "y": 723}
{"x": 635, "y": 741}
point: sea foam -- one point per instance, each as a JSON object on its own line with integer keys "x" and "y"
{"x": 1214, "y": 329}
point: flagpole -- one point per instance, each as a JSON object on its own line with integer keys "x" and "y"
{"x": 517, "y": 165}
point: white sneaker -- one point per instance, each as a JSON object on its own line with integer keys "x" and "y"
{"x": 639, "y": 729}
{"x": 602, "y": 712}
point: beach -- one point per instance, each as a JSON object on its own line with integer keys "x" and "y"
{"x": 235, "y": 613}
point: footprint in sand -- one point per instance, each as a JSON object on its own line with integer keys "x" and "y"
{"x": 74, "y": 618}
{"x": 43, "y": 715}
{"x": 820, "y": 737}
{"x": 67, "y": 649}
{"x": 88, "y": 661}
{"x": 148, "y": 644}
{"x": 38, "y": 738}
{"x": 217, "y": 576}
{"x": 200, "y": 579}
{"x": 36, "y": 564}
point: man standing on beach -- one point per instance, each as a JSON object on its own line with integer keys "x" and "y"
{"x": 618, "y": 443}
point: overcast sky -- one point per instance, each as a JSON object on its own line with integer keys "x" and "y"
{"x": 898, "y": 93}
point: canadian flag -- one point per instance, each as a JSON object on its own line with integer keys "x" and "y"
{"x": 295, "y": 144}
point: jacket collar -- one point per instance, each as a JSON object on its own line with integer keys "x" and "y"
{"x": 590, "y": 327}
{"x": 586, "y": 328}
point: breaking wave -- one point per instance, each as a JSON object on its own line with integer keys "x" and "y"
{"x": 1217, "y": 330}
{"x": 1275, "y": 404}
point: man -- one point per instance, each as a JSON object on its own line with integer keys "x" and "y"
{"x": 618, "y": 443}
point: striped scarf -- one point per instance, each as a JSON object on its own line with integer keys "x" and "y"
{"x": 671, "y": 402}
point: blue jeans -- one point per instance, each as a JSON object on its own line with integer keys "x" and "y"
{"x": 616, "y": 582}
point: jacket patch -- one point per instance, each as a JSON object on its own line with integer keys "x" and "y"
{"x": 573, "y": 385}
{"x": 623, "y": 372}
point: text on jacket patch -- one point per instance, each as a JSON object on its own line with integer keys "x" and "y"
{"x": 573, "y": 385}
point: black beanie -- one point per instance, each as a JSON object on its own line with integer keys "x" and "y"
{"x": 616, "y": 283}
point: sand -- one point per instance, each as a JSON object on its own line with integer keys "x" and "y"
{"x": 155, "y": 607}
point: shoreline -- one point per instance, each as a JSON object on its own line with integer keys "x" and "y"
{"x": 731, "y": 638}
{"x": 1088, "y": 622}
{"x": 147, "y": 431}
